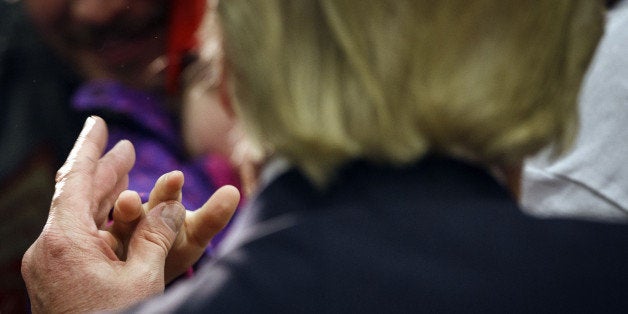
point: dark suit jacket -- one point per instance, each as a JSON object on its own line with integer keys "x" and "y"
{"x": 439, "y": 236}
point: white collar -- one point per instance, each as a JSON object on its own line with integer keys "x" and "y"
{"x": 273, "y": 168}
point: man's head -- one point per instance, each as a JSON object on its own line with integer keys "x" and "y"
{"x": 113, "y": 39}
{"x": 324, "y": 81}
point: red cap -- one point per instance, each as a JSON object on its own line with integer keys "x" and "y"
{"x": 186, "y": 17}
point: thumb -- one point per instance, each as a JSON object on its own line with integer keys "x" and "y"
{"x": 154, "y": 236}
{"x": 202, "y": 225}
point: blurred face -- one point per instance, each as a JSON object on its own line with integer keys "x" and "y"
{"x": 107, "y": 39}
{"x": 207, "y": 127}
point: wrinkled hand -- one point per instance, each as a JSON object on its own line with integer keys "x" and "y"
{"x": 73, "y": 266}
{"x": 198, "y": 229}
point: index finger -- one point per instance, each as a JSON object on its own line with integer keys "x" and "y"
{"x": 73, "y": 188}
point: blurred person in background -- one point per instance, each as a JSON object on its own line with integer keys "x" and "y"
{"x": 61, "y": 61}
{"x": 37, "y": 130}
{"x": 392, "y": 128}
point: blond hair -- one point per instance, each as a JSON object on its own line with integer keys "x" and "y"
{"x": 321, "y": 82}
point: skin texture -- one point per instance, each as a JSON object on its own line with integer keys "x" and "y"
{"x": 79, "y": 252}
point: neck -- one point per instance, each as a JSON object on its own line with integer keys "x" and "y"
{"x": 512, "y": 179}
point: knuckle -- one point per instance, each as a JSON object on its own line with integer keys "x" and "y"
{"x": 157, "y": 238}
{"x": 54, "y": 244}
{"x": 50, "y": 250}
{"x": 26, "y": 264}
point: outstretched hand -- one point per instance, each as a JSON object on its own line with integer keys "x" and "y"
{"x": 74, "y": 265}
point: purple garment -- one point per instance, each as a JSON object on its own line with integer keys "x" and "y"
{"x": 141, "y": 118}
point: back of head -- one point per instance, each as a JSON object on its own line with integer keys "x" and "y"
{"x": 325, "y": 81}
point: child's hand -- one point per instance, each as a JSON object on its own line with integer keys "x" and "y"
{"x": 198, "y": 229}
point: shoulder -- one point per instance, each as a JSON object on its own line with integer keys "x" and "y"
{"x": 446, "y": 238}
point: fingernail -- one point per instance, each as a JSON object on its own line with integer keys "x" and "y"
{"x": 173, "y": 214}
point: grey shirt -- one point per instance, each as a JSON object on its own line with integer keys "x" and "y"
{"x": 591, "y": 180}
